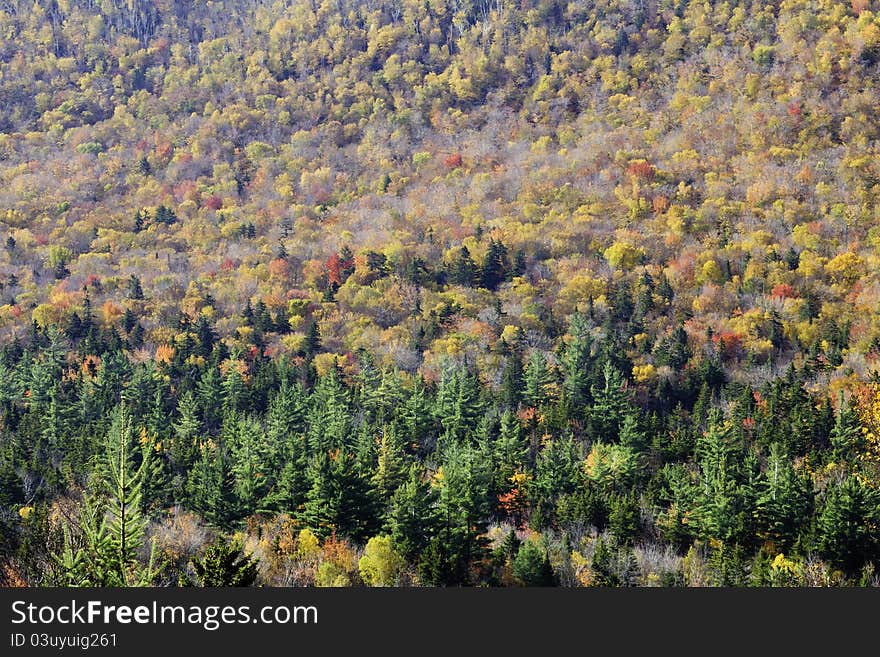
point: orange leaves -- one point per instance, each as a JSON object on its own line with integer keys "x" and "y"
{"x": 230, "y": 364}
{"x": 660, "y": 204}
{"x": 164, "y": 354}
{"x": 279, "y": 269}
{"x": 110, "y": 312}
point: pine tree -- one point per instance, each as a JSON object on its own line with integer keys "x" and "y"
{"x": 849, "y": 525}
{"x": 531, "y": 566}
{"x": 205, "y": 336}
{"x": 225, "y": 564}
{"x": 536, "y": 380}
{"x": 511, "y": 393}
{"x": 610, "y": 406}
{"x": 458, "y": 403}
{"x": 340, "y": 499}
{"x": 391, "y": 467}
{"x": 209, "y": 394}
{"x": 210, "y": 486}
{"x": 577, "y": 365}
{"x": 846, "y": 436}
{"x": 135, "y": 291}
{"x": 785, "y": 500}
{"x": 112, "y": 525}
{"x": 463, "y": 270}
{"x": 510, "y": 451}
{"x": 412, "y": 516}
{"x": 718, "y": 503}
{"x": 234, "y": 392}
{"x": 495, "y": 265}
{"x": 248, "y": 451}
{"x": 186, "y": 433}
{"x": 313, "y": 340}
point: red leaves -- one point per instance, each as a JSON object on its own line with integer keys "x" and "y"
{"x": 214, "y": 202}
{"x": 453, "y": 161}
{"x": 728, "y": 343}
{"x": 641, "y": 169}
{"x": 783, "y": 291}
{"x": 338, "y": 270}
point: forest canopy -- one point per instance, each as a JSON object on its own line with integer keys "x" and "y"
{"x": 439, "y": 292}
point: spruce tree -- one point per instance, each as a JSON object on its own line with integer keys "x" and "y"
{"x": 225, "y": 564}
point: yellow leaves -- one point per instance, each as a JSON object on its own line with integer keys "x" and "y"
{"x": 46, "y": 315}
{"x": 623, "y": 255}
{"x": 846, "y": 268}
{"x": 295, "y": 341}
{"x": 644, "y": 373}
{"x": 308, "y": 547}
{"x": 520, "y": 479}
{"x": 324, "y": 363}
{"x": 785, "y": 566}
{"x": 868, "y": 409}
{"x": 381, "y": 565}
{"x": 806, "y": 236}
{"x": 510, "y": 333}
{"x": 582, "y": 570}
{"x": 580, "y": 288}
{"x": 711, "y": 272}
{"x": 25, "y": 512}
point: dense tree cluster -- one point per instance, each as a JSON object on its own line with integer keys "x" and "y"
{"x": 447, "y": 292}
{"x": 563, "y": 471}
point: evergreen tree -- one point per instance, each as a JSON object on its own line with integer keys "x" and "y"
{"x": 313, "y": 340}
{"x": 846, "y": 435}
{"x": 510, "y": 451}
{"x": 340, "y": 499}
{"x": 412, "y": 516}
{"x": 211, "y": 486}
{"x": 512, "y": 382}
{"x": 248, "y": 451}
{"x": 577, "y": 365}
{"x": 784, "y": 502}
{"x": 849, "y": 525}
{"x": 225, "y": 564}
{"x": 463, "y": 270}
{"x": 536, "y": 380}
{"x": 209, "y": 394}
{"x": 610, "y": 406}
{"x": 495, "y": 265}
{"x": 112, "y": 523}
{"x": 719, "y": 503}
{"x": 531, "y": 566}
{"x": 186, "y": 434}
{"x": 391, "y": 467}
